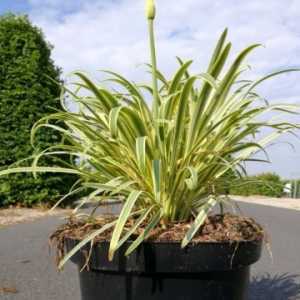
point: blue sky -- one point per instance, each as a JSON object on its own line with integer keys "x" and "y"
{"x": 97, "y": 34}
{"x": 14, "y": 6}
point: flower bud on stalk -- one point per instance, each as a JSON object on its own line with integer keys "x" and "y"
{"x": 150, "y": 9}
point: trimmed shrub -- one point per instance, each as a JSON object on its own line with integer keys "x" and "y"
{"x": 265, "y": 184}
{"x": 26, "y": 95}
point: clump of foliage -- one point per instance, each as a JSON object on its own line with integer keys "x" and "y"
{"x": 266, "y": 184}
{"x": 26, "y": 95}
{"x": 164, "y": 161}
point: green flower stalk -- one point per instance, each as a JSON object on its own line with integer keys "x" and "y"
{"x": 150, "y": 13}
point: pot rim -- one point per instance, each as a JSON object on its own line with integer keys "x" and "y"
{"x": 169, "y": 257}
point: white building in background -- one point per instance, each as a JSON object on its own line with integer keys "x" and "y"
{"x": 287, "y": 188}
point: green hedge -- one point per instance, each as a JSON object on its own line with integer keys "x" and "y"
{"x": 266, "y": 184}
{"x": 26, "y": 95}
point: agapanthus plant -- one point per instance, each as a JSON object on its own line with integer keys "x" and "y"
{"x": 164, "y": 161}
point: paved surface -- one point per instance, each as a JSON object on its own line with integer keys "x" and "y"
{"x": 27, "y": 266}
{"x": 288, "y": 203}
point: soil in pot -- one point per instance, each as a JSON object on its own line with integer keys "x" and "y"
{"x": 216, "y": 228}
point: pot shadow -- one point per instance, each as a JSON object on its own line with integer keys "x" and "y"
{"x": 274, "y": 287}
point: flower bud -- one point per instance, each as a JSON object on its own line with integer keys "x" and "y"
{"x": 150, "y": 9}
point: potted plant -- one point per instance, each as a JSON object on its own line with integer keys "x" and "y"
{"x": 164, "y": 163}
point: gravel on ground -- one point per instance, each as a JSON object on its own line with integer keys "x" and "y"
{"x": 15, "y": 215}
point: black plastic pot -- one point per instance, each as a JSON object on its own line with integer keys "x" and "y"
{"x": 206, "y": 271}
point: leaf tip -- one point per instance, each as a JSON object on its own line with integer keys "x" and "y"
{"x": 61, "y": 265}
{"x": 111, "y": 254}
{"x": 184, "y": 243}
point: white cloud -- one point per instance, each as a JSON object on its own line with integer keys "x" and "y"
{"x": 92, "y": 35}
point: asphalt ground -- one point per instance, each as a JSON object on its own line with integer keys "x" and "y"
{"x": 28, "y": 272}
